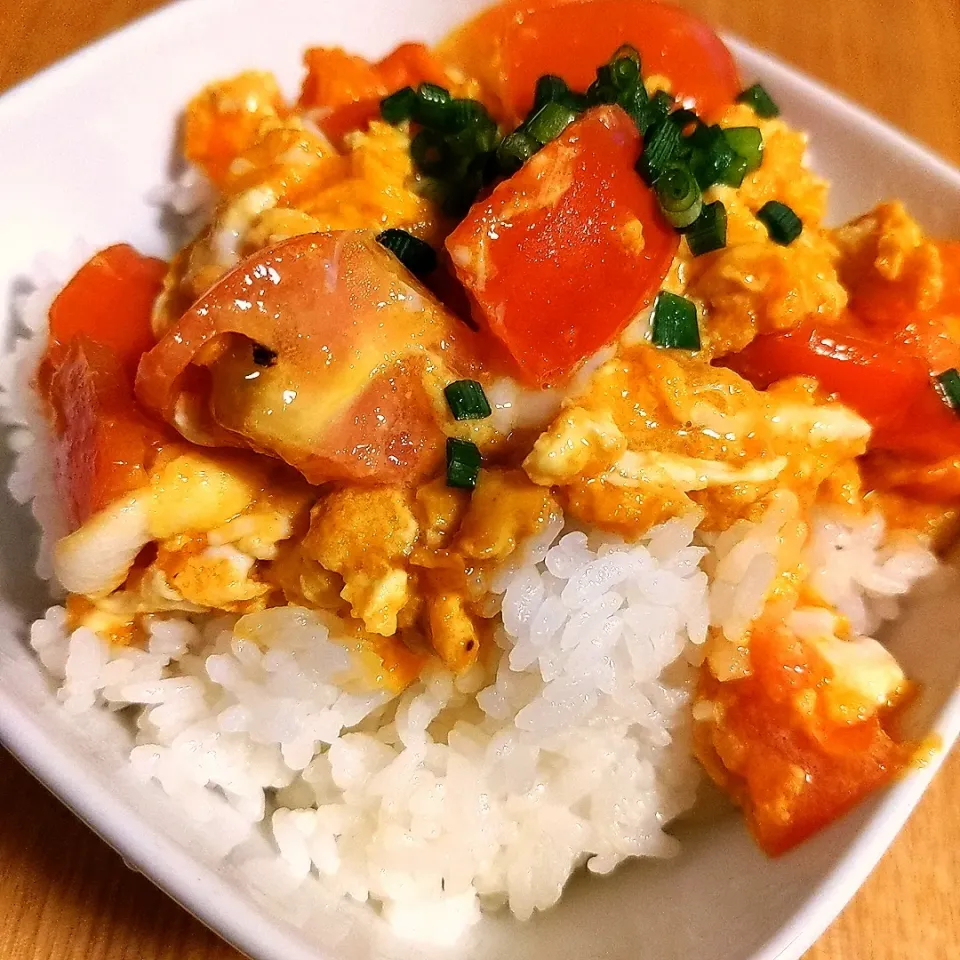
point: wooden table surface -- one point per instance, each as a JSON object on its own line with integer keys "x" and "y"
{"x": 64, "y": 895}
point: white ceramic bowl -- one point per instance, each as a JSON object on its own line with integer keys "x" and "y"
{"x": 83, "y": 144}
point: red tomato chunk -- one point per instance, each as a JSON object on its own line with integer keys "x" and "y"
{"x": 99, "y": 327}
{"x": 347, "y": 90}
{"x": 792, "y": 768}
{"x": 573, "y": 39}
{"x": 564, "y": 254}
{"x": 883, "y": 382}
{"x": 508, "y": 47}
{"x": 110, "y": 300}
{"x": 105, "y": 444}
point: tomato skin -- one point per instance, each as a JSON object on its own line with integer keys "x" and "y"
{"x": 335, "y": 310}
{"x": 563, "y": 254}
{"x": 104, "y": 443}
{"x": 99, "y": 328}
{"x": 870, "y": 378}
{"x": 409, "y": 65}
{"x": 348, "y": 89}
{"x": 110, "y": 300}
{"x": 887, "y": 386}
{"x": 513, "y": 44}
{"x": 336, "y": 78}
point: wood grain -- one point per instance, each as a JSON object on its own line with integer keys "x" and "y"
{"x": 64, "y": 895}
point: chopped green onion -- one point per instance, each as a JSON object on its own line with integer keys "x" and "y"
{"x": 712, "y": 155}
{"x": 679, "y": 196}
{"x": 415, "y": 254}
{"x": 645, "y": 111}
{"x": 476, "y": 130}
{"x": 706, "y": 136}
{"x": 575, "y": 101}
{"x": 264, "y": 356}
{"x": 470, "y": 179}
{"x": 700, "y": 137}
{"x": 735, "y": 172}
{"x": 463, "y": 114}
{"x": 624, "y": 72}
{"x": 660, "y": 103}
{"x": 662, "y": 148}
{"x": 433, "y": 107}
{"x": 683, "y": 118}
{"x": 949, "y": 384}
{"x": 549, "y": 89}
{"x": 725, "y": 156}
{"x": 602, "y": 90}
{"x": 466, "y": 400}
{"x": 455, "y": 148}
{"x": 549, "y": 122}
{"x": 453, "y": 197}
{"x": 617, "y": 79}
{"x": 674, "y": 322}
{"x": 637, "y": 105}
{"x": 431, "y": 153}
{"x": 515, "y": 150}
{"x": 626, "y": 50}
{"x": 485, "y": 164}
{"x": 433, "y": 93}
{"x": 783, "y": 225}
{"x": 709, "y": 233}
{"x": 762, "y": 103}
{"x": 746, "y": 142}
{"x": 463, "y": 463}
{"x": 399, "y": 106}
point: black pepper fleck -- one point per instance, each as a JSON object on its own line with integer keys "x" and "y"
{"x": 263, "y": 356}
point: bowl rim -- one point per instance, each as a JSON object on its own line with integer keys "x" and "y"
{"x": 205, "y": 892}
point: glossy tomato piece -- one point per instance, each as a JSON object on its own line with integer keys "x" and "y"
{"x": 793, "y": 771}
{"x": 104, "y": 444}
{"x": 509, "y": 47}
{"x": 885, "y": 384}
{"x": 872, "y": 379}
{"x": 410, "y": 65}
{"x": 336, "y": 78}
{"x": 347, "y": 89}
{"x": 927, "y": 428}
{"x": 322, "y": 351}
{"x": 563, "y": 254}
{"x": 110, "y": 300}
{"x": 890, "y": 314}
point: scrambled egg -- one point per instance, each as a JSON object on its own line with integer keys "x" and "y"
{"x": 753, "y": 286}
{"x": 414, "y": 563}
{"x": 406, "y": 568}
{"x": 887, "y": 248}
{"x": 656, "y": 433}
{"x": 865, "y": 677}
{"x": 286, "y": 180}
{"x": 365, "y": 536}
{"x": 649, "y": 435}
{"x": 224, "y": 120}
{"x": 194, "y": 538}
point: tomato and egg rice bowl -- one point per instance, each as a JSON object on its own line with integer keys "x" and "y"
{"x": 445, "y": 686}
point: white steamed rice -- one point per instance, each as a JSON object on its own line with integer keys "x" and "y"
{"x": 570, "y": 746}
